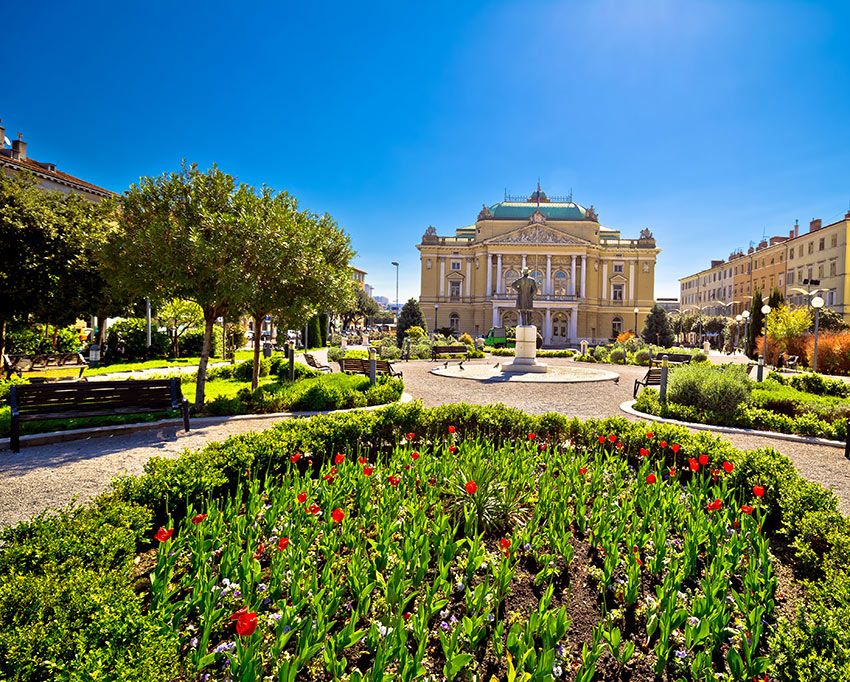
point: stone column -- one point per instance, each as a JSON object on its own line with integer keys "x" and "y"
{"x": 499, "y": 283}
{"x": 523, "y": 261}
{"x": 442, "y": 276}
{"x": 574, "y": 323}
{"x": 573, "y": 275}
{"x": 489, "y": 262}
{"x": 495, "y": 316}
{"x": 605, "y": 292}
{"x": 583, "y": 275}
{"x": 632, "y": 272}
{"x": 548, "y": 276}
{"x": 547, "y": 327}
{"x": 468, "y": 277}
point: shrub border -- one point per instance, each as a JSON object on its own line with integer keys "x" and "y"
{"x": 628, "y": 408}
{"x": 49, "y": 437}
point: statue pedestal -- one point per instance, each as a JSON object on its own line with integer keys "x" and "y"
{"x": 525, "y": 359}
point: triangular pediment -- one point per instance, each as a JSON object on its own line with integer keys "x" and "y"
{"x": 535, "y": 233}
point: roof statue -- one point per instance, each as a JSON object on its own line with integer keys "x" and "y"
{"x": 646, "y": 233}
{"x": 537, "y": 217}
{"x": 591, "y": 213}
{"x": 430, "y": 231}
{"x": 484, "y": 213}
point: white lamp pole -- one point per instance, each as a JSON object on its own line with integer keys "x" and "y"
{"x": 738, "y": 319}
{"x": 746, "y": 316}
{"x": 817, "y": 304}
{"x": 765, "y": 309}
{"x": 396, "y": 292}
{"x": 637, "y": 310}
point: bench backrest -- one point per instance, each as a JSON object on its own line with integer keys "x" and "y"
{"x": 455, "y": 350}
{"x": 381, "y": 366}
{"x": 654, "y": 374}
{"x": 95, "y": 397}
{"x": 31, "y": 363}
{"x": 357, "y": 365}
{"x": 311, "y": 361}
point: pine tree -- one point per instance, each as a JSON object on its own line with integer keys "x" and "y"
{"x": 657, "y": 328}
{"x": 756, "y": 323}
{"x": 776, "y": 298}
{"x": 410, "y": 316}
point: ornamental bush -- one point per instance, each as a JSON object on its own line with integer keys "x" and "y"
{"x": 715, "y": 390}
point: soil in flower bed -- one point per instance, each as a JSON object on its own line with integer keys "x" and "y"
{"x": 465, "y": 559}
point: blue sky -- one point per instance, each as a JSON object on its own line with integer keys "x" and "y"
{"x": 708, "y": 122}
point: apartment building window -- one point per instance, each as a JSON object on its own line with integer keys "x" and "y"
{"x": 834, "y": 241}
{"x": 454, "y": 321}
{"x": 454, "y": 291}
{"x": 791, "y": 254}
{"x": 618, "y": 267}
{"x": 833, "y": 267}
{"x": 811, "y": 248}
{"x": 799, "y": 274}
{"x": 771, "y": 261}
{"x": 811, "y": 269}
{"x": 800, "y": 251}
{"x": 455, "y": 265}
{"x": 821, "y": 244}
{"x": 617, "y": 292}
{"x": 820, "y": 271}
{"x": 830, "y": 297}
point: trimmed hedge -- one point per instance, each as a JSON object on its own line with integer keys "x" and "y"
{"x": 68, "y": 592}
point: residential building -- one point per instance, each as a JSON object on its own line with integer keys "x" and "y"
{"x": 669, "y": 304}
{"x": 589, "y": 278}
{"x": 816, "y": 259}
{"x": 16, "y": 160}
{"x": 359, "y": 276}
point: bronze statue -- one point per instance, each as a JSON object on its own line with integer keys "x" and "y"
{"x": 526, "y": 288}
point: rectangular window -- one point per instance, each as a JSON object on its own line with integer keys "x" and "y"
{"x": 820, "y": 271}
{"x": 811, "y": 270}
{"x": 791, "y": 254}
{"x": 834, "y": 241}
{"x": 791, "y": 277}
{"x": 821, "y": 244}
{"x": 811, "y": 248}
{"x": 800, "y": 251}
{"x": 617, "y": 292}
{"x": 833, "y": 267}
{"x": 454, "y": 290}
{"x": 618, "y": 267}
{"x": 830, "y": 297}
{"x": 455, "y": 265}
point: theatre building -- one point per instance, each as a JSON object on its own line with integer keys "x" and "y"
{"x": 589, "y": 279}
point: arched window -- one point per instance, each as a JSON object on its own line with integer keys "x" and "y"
{"x": 454, "y": 321}
{"x": 616, "y": 326}
{"x": 560, "y": 283}
{"x": 510, "y": 277}
{"x": 537, "y": 276}
{"x": 559, "y": 326}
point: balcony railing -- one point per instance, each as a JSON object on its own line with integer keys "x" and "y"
{"x": 540, "y": 297}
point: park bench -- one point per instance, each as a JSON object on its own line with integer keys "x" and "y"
{"x": 72, "y": 400}
{"x": 361, "y": 366}
{"x": 45, "y": 367}
{"x": 672, "y": 359}
{"x": 652, "y": 378}
{"x": 311, "y": 362}
{"x": 461, "y": 349}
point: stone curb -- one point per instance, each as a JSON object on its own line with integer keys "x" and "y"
{"x": 628, "y": 408}
{"x": 124, "y": 429}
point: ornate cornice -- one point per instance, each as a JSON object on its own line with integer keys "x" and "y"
{"x": 537, "y": 234}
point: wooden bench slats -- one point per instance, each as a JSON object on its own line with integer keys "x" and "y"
{"x": 361, "y": 366}
{"x": 92, "y": 399}
{"x": 449, "y": 350}
{"x": 18, "y": 364}
{"x": 652, "y": 378}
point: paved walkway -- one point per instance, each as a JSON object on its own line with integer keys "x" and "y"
{"x": 50, "y": 476}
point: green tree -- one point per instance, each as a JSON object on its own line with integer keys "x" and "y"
{"x": 786, "y": 326}
{"x": 756, "y": 324}
{"x": 362, "y": 306}
{"x": 179, "y": 316}
{"x": 776, "y": 298}
{"x": 177, "y": 237}
{"x": 657, "y": 328}
{"x": 831, "y": 321}
{"x": 409, "y": 316}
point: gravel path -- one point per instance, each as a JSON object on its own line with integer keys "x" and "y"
{"x": 50, "y": 476}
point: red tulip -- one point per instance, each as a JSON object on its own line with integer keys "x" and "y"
{"x": 414, "y": 455}
{"x": 197, "y": 518}
{"x": 302, "y": 497}
{"x": 650, "y": 479}
{"x": 246, "y": 622}
{"x": 362, "y": 459}
{"x": 505, "y": 545}
{"x": 394, "y": 480}
{"x": 650, "y": 435}
{"x": 471, "y": 487}
{"x": 703, "y": 459}
{"x": 339, "y": 459}
{"x": 337, "y": 515}
{"x": 675, "y": 448}
{"x": 313, "y": 509}
{"x": 452, "y": 429}
{"x": 282, "y": 544}
{"x": 582, "y": 471}
{"x": 758, "y": 490}
{"x": 328, "y": 477}
{"x": 406, "y": 615}
{"x": 747, "y": 509}
{"x": 644, "y": 452}
{"x": 532, "y": 436}
{"x": 453, "y": 449}
{"x": 672, "y": 471}
{"x": 727, "y": 467}
{"x": 260, "y": 548}
{"x": 663, "y": 444}
{"x": 601, "y": 439}
{"x": 294, "y": 458}
{"x": 620, "y": 445}
{"x": 542, "y": 447}
{"x": 693, "y": 464}
{"x": 714, "y": 506}
{"x": 612, "y": 438}
{"x": 162, "y": 535}
{"x": 410, "y": 436}
{"x": 367, "y": 470}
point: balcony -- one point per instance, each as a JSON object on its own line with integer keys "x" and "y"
{"x": 541, "y": 297}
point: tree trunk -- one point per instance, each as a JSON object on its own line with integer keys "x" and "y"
{"x": 2, "y": 336}
{"x": 255, "y": 375}
{"x": 209, "y": 322}
{"x": 175, "y": 349}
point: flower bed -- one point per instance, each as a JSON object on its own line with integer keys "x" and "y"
{"x": 607, "y": 552}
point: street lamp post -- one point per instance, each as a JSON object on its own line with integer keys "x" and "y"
{"x": 637, "y": 310}
{"x": 396, "y": 292}
{"x": 436, "y": 308}
{"x": 746, "y": 315}
{"x": 738, "y": 319}
{"x": 817, "y": 304}
{"x": 765, "y": 310}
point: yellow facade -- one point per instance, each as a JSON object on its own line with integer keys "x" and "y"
{"x": 589, "y": 280}
{"x": 815, "y": 259}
